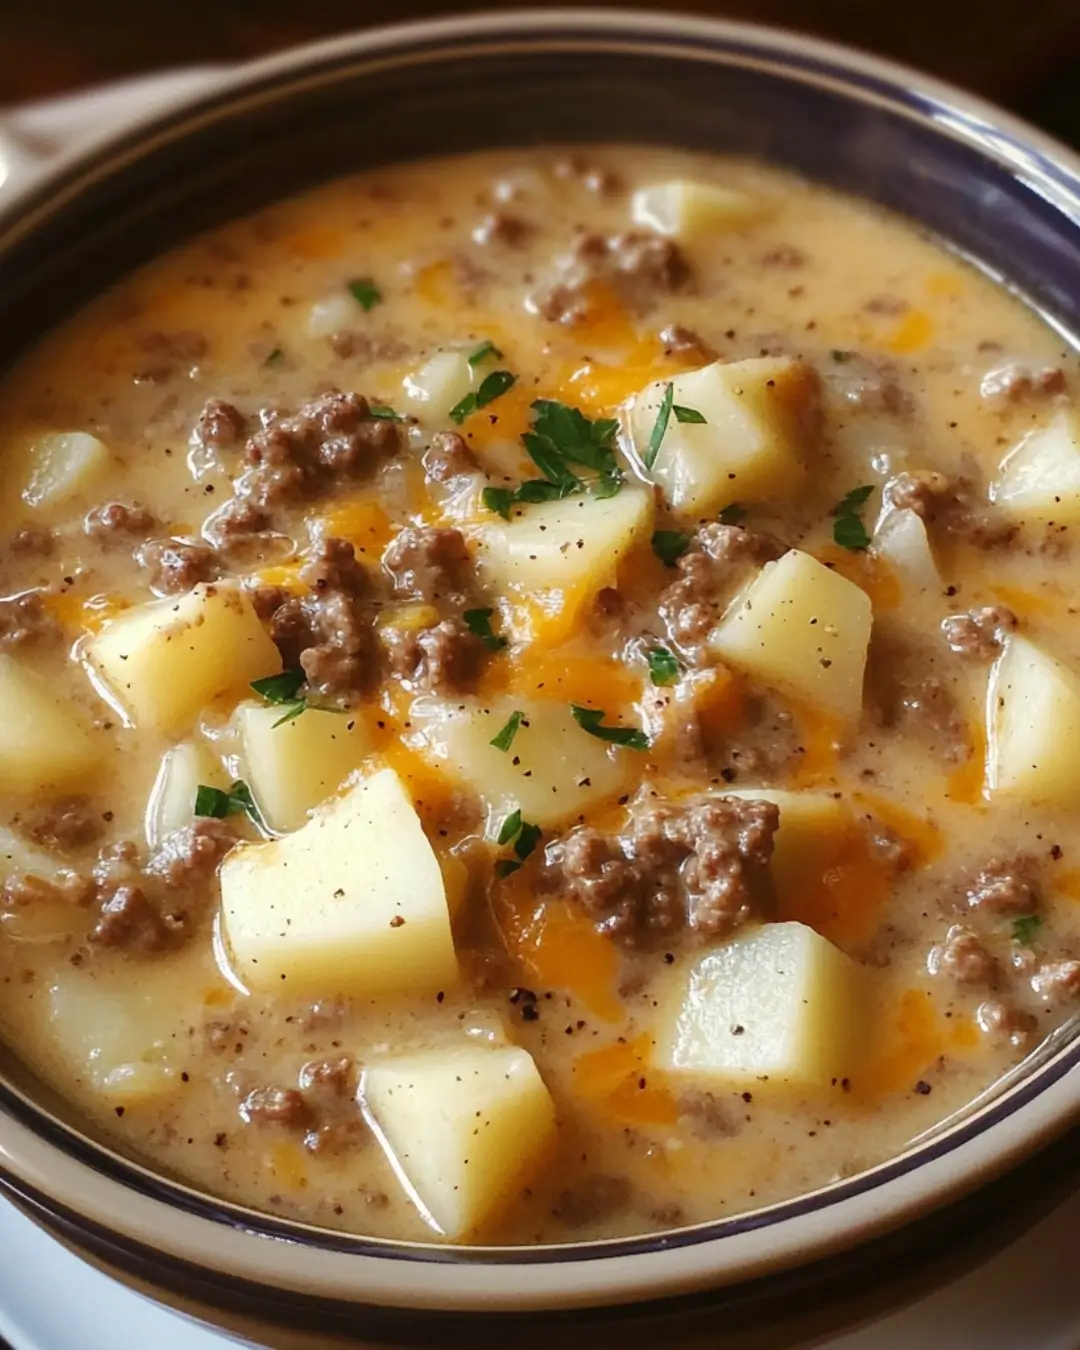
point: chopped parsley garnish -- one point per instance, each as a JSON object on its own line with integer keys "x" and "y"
{"x": 492, "y": 386}
{"x": 660, "y": 426}
{"x": 732, "y": 514}
{"x": 275, "y": 357}
{"x": 524, "y": 836}
{"x": 482, "y": 353}
{"x": 848, "y": 529}
{"x": 216, "y": 802}
{"x": 561, "y": 436}
{"x": 384, "y": 412}
{"x": 687, "y": 414}
{"x": 590, "y": 719}
{"x": 478, "y": 622}
{"x": 1025, "y": 928}
{"x": 505, "y": 739}
{"x": 284, "y": 690}
{"x": 364, "y": 291}
{"x": 663, "y": 666}
{"x": 670, "y": 545}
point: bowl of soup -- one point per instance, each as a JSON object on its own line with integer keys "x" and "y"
{"x": 540, "y": 736}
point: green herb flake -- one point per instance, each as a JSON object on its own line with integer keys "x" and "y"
{"x": 292, "y": 712}
{"x": 510, "y": 827}
{"x": 690, "y": 415}
{"x": 506, "y": 866}
{"x": 384, "y": 413}
{"x": 478, "y": 622}
{"x": 663, "y": 666}
{"x": 217, "y": 803}
{"x": 670, "y": 545}
{"x": 591, "y": 719}
{"x": 482, "y": 353}
{"x": 1025, "y": 928}
{"x": 283, "y": 688}
{"x": 848, "y": 529}
{"x": 364, "y": 291}
{"x": 505, "y": 738}
{"x": 527, "y": 840}
{"x": 499, "y": 500}
{"x": 492, "y": 386}
{"x": 660, "y": 427}
{"x": 732, "y": 514}
{"x": 275, "y": 358}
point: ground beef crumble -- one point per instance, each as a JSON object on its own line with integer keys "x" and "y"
{"x": 176, "y": 567}
{"x": 105, "y": 522}
{"x": 446, "y": 657}
{"x": 639, "y": 266}
{"x": 429, "y": 562}
{"x": 25, "y": 620}
{"x": 1004, "y": 886}
{"x": 950, "y": 506}
{"x": 700, "y": 864}
{"x": 980, "y": 633}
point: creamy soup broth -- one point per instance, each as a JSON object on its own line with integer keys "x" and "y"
{"x": 787, "y": 890}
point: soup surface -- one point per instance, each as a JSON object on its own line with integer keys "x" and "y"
{"x": 539, "y": 697}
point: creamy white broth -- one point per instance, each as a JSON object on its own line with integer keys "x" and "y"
{"x": 954, "y": 907}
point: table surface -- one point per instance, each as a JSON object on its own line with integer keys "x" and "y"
{"x": 53, "y": 46}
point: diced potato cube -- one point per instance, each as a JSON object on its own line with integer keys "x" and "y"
{"x": 1033, "y": 726}
{"x": 902, "y": 541}
{"x": 813, "y": 828}
{"x": 750, "y": 444}
{"x": 778, "y": 1002}
{"x": 171, "y": 805}
{"x": 553, "y": 771}
{"x": 127, "y": 1037}
{"x": 693, "y": 210}
{"x": 439, "y": 384}
{"x": 573, "y": 545}
{"x": 297, "y": 765}
{"x": 803, "y": 629}
{"x": 43, "y": 743}
{"x": 65, "y": 465}
{"x": 465, "y": 1129}
{"x": 335, "y": 314}
{"x": 352, "y": 903}
{"x": 1040, "y": 478}
{"x": 167, "y": 660}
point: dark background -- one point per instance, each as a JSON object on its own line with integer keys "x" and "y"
{"x": 1025, "y": 54}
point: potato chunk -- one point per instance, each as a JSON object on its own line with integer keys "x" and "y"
{"x": 172, "y": 798}
{"x": 167, "y": 660}
{"x": 465, "y": 1129}
{"x": 1033, "y": 726}
{"x": 553, "y": 771}
{"x": 813, "y": 828}
{"x": 573, "y": 546}
{"x": 693, "y": 210}
{"x": 1039, "y": 479}
{"x": 778, "y": 1002}
{"x": 749, "y": 446}
{"x": 803, "y": 629}
{"x": 439, "y": 384}
{"x": 65, "y": 465}
{"x": 43, "y": 743}
{"x": 351, "y": 903}
{"x": 297, "y": 765}
{"x": 901, "y": 540}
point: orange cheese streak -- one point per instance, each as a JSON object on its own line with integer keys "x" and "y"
{"x": 910, "y": 1043}
{"x": 869, "y": 572}
{"x": 617, "y": 1082}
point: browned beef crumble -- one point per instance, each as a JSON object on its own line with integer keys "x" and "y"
{"x": 105, "y": 522}
{"x": 1004, "y": 1022}
{"x": 699, "y": 865}
{"x": 331, "y": 1077}
{"x": 220, "y": 425}
{"x": 952, "y": 507}
{"x": 448, "y": 457}
{"x": 32, "y": 541}
{"x": 964, "y": 958}
{"x": 980, "y": 633}
{"x": 24, "y": 620}
{"x": 1057, "y": 981}
{"x": 275, "y": 1106}
{"x": 445, "y": 658}
{"x": 596, "y": 1197}
{"x": 1016, "y": 383}
{"x": 66, "y": 824}
{"x": 429, "y": 562}
{"x": 718, "y": 561}
{"x": 500, "y": 227}
{"x": 130, "y": 920}
{"x": 640, "y": 266}
{"x": 328, "y": 633}
{"x": 868, "y": 385}
{"x": 190, "y": 855}
{"x": 1004, "y": 886}
{"x": 176, "y": 567}
{"x": 18, "y": 890}
{"x": 905, "y": 692}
